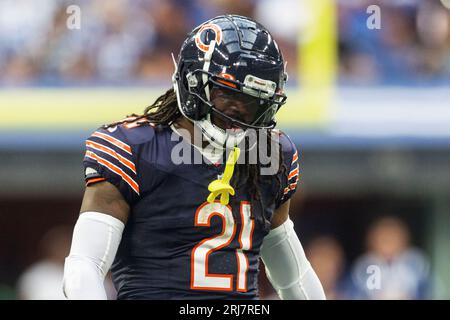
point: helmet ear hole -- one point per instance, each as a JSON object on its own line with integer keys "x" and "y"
{"x": 191, "y": 107}
{"x": 194, "y": 108}
{"x": 190, "y": 103}
{"x": 192, "y": 80}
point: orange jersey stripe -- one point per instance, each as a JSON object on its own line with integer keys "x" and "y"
{"x": 114, "y": 169}
{"x": 112, "y": 153}
{"x": 113, "y": 141}
{"x": 91, "y": 181}
{"x": 293, "y": 173}
{"x": 295, "y": 157}
{"x": 290, "y": 188}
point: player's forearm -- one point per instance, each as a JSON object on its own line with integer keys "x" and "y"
{"x": 96, "y": 238}
{"x": 287, "y": 267}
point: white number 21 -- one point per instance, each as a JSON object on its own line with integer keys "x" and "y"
{"x": 201, "y": 279}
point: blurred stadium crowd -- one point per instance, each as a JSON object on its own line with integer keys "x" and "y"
{"x": 128, "y": 42}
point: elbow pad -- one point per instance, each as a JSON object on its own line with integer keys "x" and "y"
{"x": 287, "y": 267}
{"x": 95, "y": 240}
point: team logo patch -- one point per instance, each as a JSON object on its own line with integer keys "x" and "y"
{"x": 209, "y": 26}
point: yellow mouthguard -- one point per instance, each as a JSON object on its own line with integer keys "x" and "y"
{"x": 222, "y": 186}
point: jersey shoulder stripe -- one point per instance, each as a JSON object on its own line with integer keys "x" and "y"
{"x": 115, "y": 169}
{"x": 97, "y": 147}
{"x": 115, "y": 154}
{"x": 114, "y": 141}
{"x": 291, "y": 157}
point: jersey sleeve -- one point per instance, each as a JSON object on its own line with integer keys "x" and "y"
{"x": 291, "y": 177}
{"x": 109, "y": 157}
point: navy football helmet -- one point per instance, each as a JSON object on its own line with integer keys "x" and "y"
{"x": 237, "y": 55}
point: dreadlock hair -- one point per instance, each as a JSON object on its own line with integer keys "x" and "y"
{"x": 164, "y": 112}
{"x": 250, "y": 175}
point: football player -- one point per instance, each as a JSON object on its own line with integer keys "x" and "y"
{"x": 195, "y": 231}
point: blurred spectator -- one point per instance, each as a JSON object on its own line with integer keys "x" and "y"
{"x": 155, "y": 60}
{"x": 391, "y": 268}
{"x": 398, "y": 53}
{"x": 326, "y": 256}
{"x": 129, "y": 42}
{"x": 43, "y": 279}
{"x": 433, "y": 26}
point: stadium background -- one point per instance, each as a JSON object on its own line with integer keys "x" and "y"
{"x": 367, "y": 108}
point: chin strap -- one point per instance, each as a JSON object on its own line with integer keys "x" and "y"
{"x": 222, "y": 186}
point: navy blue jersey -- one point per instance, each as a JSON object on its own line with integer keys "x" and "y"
{"x": 175, "y": 244}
